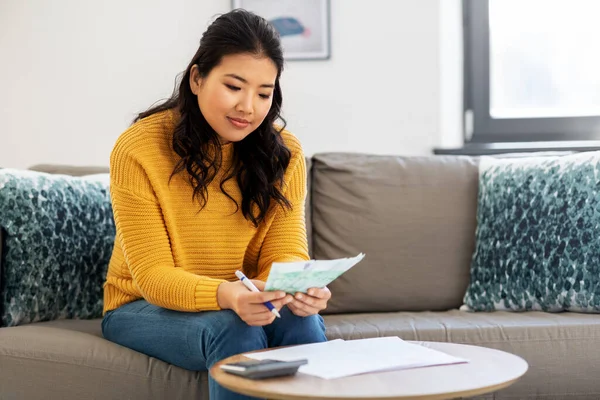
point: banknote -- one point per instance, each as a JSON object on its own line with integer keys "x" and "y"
{"x": 292, "y": 277}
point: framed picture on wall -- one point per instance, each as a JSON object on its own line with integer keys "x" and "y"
{"x": 302, "y": 24}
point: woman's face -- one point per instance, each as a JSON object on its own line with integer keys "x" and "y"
{"x": 236, "y": 96}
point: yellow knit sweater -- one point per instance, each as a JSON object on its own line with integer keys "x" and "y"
{"x": 173, "y": 256}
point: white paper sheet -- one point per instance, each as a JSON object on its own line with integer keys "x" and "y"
{"x": 339, "y": 358}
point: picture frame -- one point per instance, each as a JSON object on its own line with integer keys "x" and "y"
{"x": 304, "y": 25}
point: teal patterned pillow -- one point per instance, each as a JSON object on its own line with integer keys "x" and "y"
{"x": 59, "y": 238}
{"x": 537, "y": 238}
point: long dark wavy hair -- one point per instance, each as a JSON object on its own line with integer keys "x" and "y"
{"x": 261, "y": 158}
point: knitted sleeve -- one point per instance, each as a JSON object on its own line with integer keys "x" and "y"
{"x": 143, "y": 236}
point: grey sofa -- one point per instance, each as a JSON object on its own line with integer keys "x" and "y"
{"x": 414, "y": 218}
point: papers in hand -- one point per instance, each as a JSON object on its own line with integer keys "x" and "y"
{"x": 292, "y": 277}
{"x": 339, "y": 358}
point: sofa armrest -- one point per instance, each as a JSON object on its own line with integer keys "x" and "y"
{"x": 69, "y": 169}
{"x": 2, "y": 236}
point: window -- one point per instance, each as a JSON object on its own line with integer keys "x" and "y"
{"x": 532, "y": 70}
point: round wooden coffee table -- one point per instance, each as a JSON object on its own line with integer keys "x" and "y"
{"x": 489, "y": 370}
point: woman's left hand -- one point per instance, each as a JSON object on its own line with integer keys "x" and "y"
{"x": 305, "y": 304}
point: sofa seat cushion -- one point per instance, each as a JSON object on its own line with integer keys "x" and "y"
{"x": 562, "y": 349}
{"x": 71, "y": 360}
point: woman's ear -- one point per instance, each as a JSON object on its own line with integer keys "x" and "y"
{"x": 195, "y": 80}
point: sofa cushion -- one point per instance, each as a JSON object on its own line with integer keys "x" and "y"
{"x": 69, "y": 360}
{"x": 536, "y": 245}
{"x": 59, "y": 239}
{"x": 308, "y": 206}
{"x": 562, "y": 349}
{"x": 413, "y": 217}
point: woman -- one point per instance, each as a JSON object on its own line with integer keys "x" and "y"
{"x": 201, "y": 186}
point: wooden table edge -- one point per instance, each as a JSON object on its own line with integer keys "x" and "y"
{"x": 441, "y": 396}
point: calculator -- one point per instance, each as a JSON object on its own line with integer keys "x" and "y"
{"x": 261, "y": 369}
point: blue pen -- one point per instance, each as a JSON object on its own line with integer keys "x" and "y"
{"x": 248, "y": 283}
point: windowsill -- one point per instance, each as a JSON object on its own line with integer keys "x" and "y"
{"x": 480, "y": 149}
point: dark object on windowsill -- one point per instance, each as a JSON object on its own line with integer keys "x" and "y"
{"x": 481, "y": 149}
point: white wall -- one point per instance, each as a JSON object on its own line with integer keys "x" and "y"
{"x": 73, "y": 73}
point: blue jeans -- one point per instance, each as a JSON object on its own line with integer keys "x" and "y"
{"x": 196, "y": 341}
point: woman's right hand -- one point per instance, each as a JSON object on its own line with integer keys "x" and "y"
{"x": 249, "y": 305}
